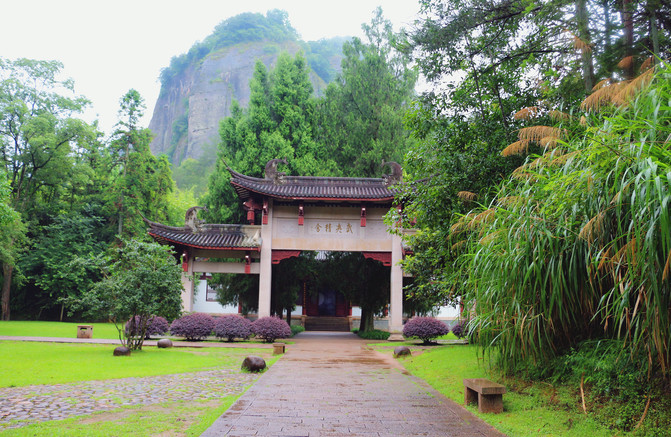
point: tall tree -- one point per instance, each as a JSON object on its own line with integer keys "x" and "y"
{"x": 38, "y": 133}
{"x": 11, "y": 232}
{"x": 360, "y": 117}
{"x": 141, "y": 182}
{"x": 277, "y": 124}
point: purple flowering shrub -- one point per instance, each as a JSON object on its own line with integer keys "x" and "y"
{"x": 271, "y": 328}
{"x": 232, "y": 326}
{"x": 425, "y": 328}
{"x": 460, "y": 330}
{"x": 196, "y": 326}
{"x": 156, "y": 326}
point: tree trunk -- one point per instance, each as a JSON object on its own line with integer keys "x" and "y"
{"x": 367, "y": 322}
{"x": 62, "y": 308}
{"x": 586, "y": 54}
{"x": 7, "y": 271}
{"x": 628, "y": 28}
{"x": 289, "y": 316}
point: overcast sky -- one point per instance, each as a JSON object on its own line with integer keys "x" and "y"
{"x": 109, "y": 47}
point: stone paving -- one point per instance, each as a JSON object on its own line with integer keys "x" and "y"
{"x": 22, "y": 406}
{"x": 330, "y": 385}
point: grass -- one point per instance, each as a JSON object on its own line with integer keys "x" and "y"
{"x": 529, "y": 409}
{"x": 55, "y": 329}
{"x": 54, "y": 363}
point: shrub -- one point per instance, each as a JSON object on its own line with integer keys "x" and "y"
{"x": 195, "y": 326}
{"x": 373, "y": 334}
{"x": 271, "y": 328}
{"x": 232, "y": 326}
{"x": 460, "y": 330}
{"x": 424, "y": 328}
{"x": 157, "y": 325}
{"x": 296, "y": 329}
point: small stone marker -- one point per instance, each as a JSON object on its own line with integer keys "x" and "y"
{"x": 84, "y": 331}
{"x": 253, "y": 364}
{"x": 122, "y": 351}
{"x": 278, "y": 348}
{"x": 164, "y": 343}
{"x": 400, "y": 351}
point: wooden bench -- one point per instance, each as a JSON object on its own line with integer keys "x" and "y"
{"x": 487, "y": 394}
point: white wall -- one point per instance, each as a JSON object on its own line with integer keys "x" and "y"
{"x": 201, "y": 305}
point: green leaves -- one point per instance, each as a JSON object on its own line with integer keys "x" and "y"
{"x": 582, "y": 252}
{"x": 141, "y": 279}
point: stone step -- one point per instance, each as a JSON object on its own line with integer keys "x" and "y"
{"x": 327, "y": 324}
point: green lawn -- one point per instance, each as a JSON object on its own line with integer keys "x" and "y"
{"x": 55, "y": 329}
{"x": 26, "y": 363}
{"x": 529, "y": 410}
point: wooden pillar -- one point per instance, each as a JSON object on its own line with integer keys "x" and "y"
{"x": 265, "y": 267}
{"x": 396, "y": 300}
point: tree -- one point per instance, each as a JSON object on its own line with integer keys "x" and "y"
{"x": 277, "y": 124}
{"x": 498, "y": 67}
{"x": 38, "y": 134}
{"x": 141, "y": 280}
{"x": 289, "y": 277}
{"x": 141, "y": 182}
{"x": 11, "y": 232}
{"x": 360, "y": 117}
{"x": 51, "y": 264}
{"x": 367, "y": 284}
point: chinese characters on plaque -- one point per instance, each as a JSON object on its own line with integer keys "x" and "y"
{"x": 333, "y": 228}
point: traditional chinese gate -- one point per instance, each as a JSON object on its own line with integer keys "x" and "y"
{"x": 290, "y": 214}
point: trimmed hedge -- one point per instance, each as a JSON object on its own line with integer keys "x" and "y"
{"x": 460, "y": 330}
{"x": 425, "y": 328}
{"x": 296, "y": 329}
{"x": 232, "y": 326}
{"x": 271, "y": 328}
{"x": 157, "y": 325}
{"x": 373, "y": 334}
{"x": 193, "y": 327}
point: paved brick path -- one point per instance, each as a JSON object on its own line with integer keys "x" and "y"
{"x": 328, "y": 385}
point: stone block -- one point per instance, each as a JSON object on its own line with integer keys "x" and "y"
{"x": 164, "y": 343}
{"x": 122, "y": 351}
{"x": 253, "y": 364}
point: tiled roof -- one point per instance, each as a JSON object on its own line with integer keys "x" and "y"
{"x": 216, "y": 237}
{"x": 313, "y": 188}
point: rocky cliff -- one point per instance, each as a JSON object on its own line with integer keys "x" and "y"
{"x": 198, "y": 94}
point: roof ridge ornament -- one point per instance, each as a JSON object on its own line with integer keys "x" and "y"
{"x": 272, "y": 173}
{"x": 191, "y": 219}
{"x": 396, "y": 175}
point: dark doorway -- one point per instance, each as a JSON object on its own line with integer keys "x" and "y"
{"x": 327, "y": 302}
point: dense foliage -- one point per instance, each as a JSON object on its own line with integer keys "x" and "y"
{"x": 232, "y": 326}
{"x": 76, "y": 193}
{"x": 425, "y": 329}
{"x": 580, "y": 236}
{"x": 270, "y": 329}
{"x": 193, "y": 327}
{"x": 140, "y": 280}
{"x": 538, "y": 274}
